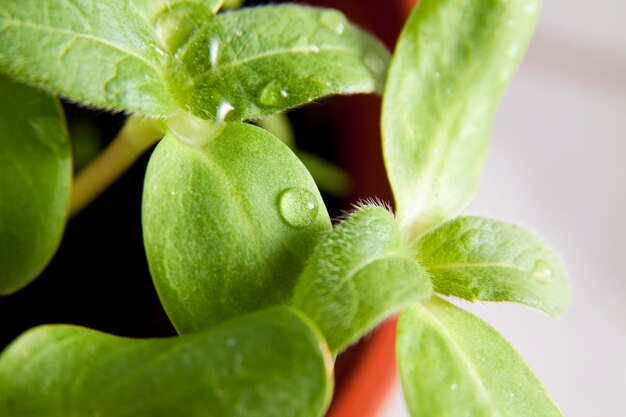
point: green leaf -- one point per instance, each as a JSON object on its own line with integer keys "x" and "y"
{"x": 453, "y": 364}
{"x": 358, "y": 275}
{"x": 263, "y": 60}
{"x": 100, "y": 53}
{"x": 35, "y": 182}
{"x": 229, "y": 225}
{"x": 268, "y": 364}
{"x": 481, "y": 259}
{"x": 453, "y": 60}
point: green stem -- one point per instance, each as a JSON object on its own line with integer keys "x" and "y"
{"x": 135, "y": 137}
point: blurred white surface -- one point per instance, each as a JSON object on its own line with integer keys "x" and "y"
{"x": 558, "y": 165}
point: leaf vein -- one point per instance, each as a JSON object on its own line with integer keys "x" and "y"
{"x": 477, "y": 265}
{"x": 267, "y": 54}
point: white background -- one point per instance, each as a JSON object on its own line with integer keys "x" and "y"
{"x": 558, "y": 165}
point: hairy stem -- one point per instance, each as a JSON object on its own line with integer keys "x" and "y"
{"x": 131, "y": 142}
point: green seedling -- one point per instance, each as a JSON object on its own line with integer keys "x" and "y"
{"x": 262, "y": 289}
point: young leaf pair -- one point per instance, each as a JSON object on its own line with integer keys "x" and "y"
{"x": 441, "y": 93}
{"x": 452, "y": 62}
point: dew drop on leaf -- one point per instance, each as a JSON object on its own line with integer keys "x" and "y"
{"x": 374, "y": 63}
{"x": 271, "y": 94}
{"x": 298, "y": 207}
{"x": 301, "y": 42}
{"x": 333, "y": 20}
{"x": 214, "y": 50}
{"x": 542, "y": 270}
{"x": 222, "y": 110}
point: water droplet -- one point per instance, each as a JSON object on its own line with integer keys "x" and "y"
{"x": 272, "y": 94}
{"x": 301, "y": 42}
{"x": 374, "y": 63}
{"x": 333, "y": 20}
{"x": 320, "y": 81}
{"x": 542, "y": 270}
{"x": 222, "y": 110}
{"x": 453, "y": 387}
{"x": 298, "y": 207}
{"x": 191, "y": 129}
{"x": 214, "y": 50}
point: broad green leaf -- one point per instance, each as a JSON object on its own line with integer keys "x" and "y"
{"x": 97, "y": 52}
{"x": 263, "y": 60}
{"x": 271, "y": 363}
{"x": 481, "y": 259}
{"x": 455, "y": 365}
{"x": 452, "y": 62}
{"x": 229, "y": 225}
{"x": 151, "y": 9}
{"x": 35, "y": 182}
{"x": 358, "y": 275}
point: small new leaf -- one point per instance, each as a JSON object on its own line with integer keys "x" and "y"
{"x": 97, "y": 52}
{"x": 358, "y": 275}
{"x": 35, "y": 182}
{"x": 271, "y": 363}
{"x": 264, "y": 60}
{"x": 453, "y": 364}
{"x": 452, "y": 62}
{"x": 228, "y": 225}
{"x": 481, "y": 259}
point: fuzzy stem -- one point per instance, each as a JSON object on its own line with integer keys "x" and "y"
{"x": 135, "y": 137}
